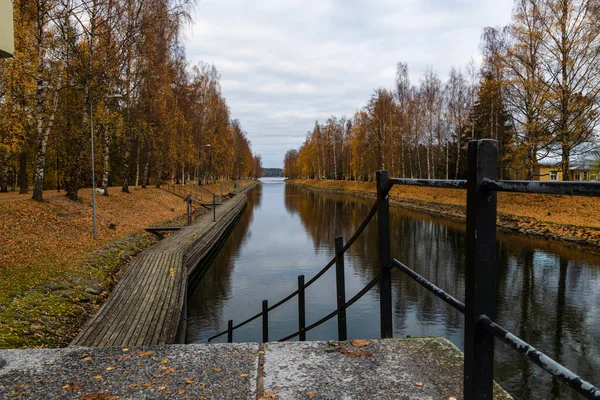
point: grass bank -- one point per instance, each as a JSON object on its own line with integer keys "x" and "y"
{"x": 53, "y": 275}
{"x": 570, "y": 219}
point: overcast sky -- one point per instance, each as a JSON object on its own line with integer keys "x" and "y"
{"x": 286, "y": 63}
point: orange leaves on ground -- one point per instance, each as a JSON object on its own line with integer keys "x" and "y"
{"x": 148, "y": 353}
{"x": 360, "y": 343}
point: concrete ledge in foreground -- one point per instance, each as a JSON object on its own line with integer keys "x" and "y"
{"x": 416, "y": 368}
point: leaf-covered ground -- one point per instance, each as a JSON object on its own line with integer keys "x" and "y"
{"x": 572, "y": 218}
{"x": 53, "y": 275}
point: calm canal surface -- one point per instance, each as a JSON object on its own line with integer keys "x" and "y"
{"x": 547, "y": 294}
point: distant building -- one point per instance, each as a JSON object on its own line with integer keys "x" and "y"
{"x": 579, "y": 171}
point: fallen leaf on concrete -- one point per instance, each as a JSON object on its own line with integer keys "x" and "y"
{"x": 133, "y": 385}
{"x": 419, "y": 384}
{"x": 181, "y": 391}
{"x": 164, "y": 361}
{"x": 110, "y": 368}
{"x": 189, "y": 381}
{"x": 145, "y": 353}
{"x": 72, "y": 386}
{"x": 243, "y": 375}
{"x": 217, "y": 369}
{"x": 270, "y": 395}
{"x": 125, "y": 358}
{"x": 148, "y": 384}
{"x": 451, "y": 398}
{"x": 98, "y": 377}
{"x": 125, "y": 349}
{"x": 311, "y": 394}
{"x": 162, "y": 388}
{"x": 98, "y": 396}
{"x": 87, "y": 359}
{"x": 360, "y": 343}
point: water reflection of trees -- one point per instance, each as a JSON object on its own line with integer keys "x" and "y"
{"x": 205, "y": 303}
{"x": 546, "y": 293}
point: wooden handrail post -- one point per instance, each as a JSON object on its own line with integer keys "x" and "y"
{"x": 385, "y": 280}
{"x": 480, "y": 269}
{"x": 265, "y": 321}
{"x": 340, "y": 288}
{"x": 188, "y": 200}
{"x": 301, "y": 309}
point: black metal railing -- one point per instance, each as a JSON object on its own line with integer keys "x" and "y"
{"x": 481, "y": 263}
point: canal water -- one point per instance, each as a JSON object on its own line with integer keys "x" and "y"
{"x": 547, "y": 294}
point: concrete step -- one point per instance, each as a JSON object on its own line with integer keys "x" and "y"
{"x": 415, "y": 368}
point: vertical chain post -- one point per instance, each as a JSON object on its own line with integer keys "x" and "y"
{"x": 480, "y": 269}
{"x": 301, "y": 309}
{"x": 340, "y": 288}
{"x": 265, "y": 321}
{"x": 230, "y": 331}
{"x": 385, "y": 281}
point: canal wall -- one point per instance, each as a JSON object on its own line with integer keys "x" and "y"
{"x": 148, "y": 306}
{"x": 568, "y": 234}
{"x": 413, "y": 368}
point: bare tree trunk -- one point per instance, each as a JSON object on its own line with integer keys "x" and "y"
{"x": 23, "y": 189}
{"x": 419, "y": 170}
{"x": 457, "y": 155}
{"x": 159, "y": 177}
{"x": 145, "y": 174}
{"x": 428, "y": 163}
{"x": 43, "y": 134}
{"x": 137, "y": 167}
{"x": 106, "y": 162}
{"x": 4, "y": 173}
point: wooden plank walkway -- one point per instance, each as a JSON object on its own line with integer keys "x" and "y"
{"x": 146, "y": 306}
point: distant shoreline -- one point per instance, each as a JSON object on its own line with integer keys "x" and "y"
{"x": 451, "y": 203}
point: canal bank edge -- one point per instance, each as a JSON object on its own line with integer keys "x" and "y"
{"x": 381, "y": 368}
{"x": 118, "y": 319}
{"x": 577, "y": 235}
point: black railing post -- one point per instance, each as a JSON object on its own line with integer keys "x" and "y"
{"x": 230, "y": 331}
{"x": 301, "y": 309}
{"x": 265, "y": 321}
{"x": 385, "y": 282}
{"x": 340, "y": 287}
{"x": 480, "y": 269}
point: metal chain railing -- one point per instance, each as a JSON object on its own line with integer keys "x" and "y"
{"x": 480, "y": 329}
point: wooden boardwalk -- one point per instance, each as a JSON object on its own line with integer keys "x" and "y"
{"x": 148, "y": 305}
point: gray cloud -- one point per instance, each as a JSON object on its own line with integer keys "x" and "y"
{"x": 286, "y": 63}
